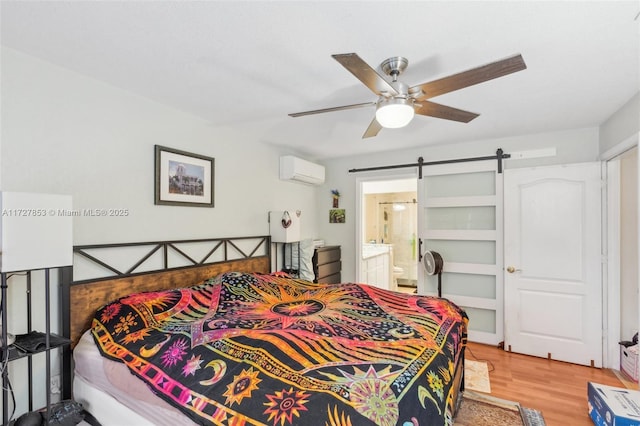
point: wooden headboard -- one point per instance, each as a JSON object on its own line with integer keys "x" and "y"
{"x": 174, "y": 267}
{"x": 81, "y": 298}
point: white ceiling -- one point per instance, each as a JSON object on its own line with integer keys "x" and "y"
{"x": 246, "y": 64}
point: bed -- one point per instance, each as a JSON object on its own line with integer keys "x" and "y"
{"x": 230, "y": 343}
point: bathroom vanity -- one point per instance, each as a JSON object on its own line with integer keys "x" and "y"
{"x": 376, "y": 266}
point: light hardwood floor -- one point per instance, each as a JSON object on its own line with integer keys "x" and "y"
{"x": 558, "y": 389}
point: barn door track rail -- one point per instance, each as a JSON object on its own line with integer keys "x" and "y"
{"x": 500, "y": 155}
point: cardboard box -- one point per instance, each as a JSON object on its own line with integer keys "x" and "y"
{"x": 629, "y": 361}
{"x": 612, "y": 406}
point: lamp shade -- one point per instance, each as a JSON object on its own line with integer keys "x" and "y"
{"x": 284, "y": 226}
{"x": 394, "y": 113}
{"x": 36, "y": 231}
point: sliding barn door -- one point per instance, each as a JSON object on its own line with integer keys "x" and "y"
{"x": 460, "y": 217}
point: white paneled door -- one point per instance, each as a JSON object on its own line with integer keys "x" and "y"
{"x": 553, "y": 262}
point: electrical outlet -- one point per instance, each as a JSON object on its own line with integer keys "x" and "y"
{"x": 54, "y": 385}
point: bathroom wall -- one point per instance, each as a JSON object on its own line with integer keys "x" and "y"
{"x": 391, "y": 218}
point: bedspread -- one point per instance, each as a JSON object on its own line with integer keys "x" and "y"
{"x": 250, "y": 349}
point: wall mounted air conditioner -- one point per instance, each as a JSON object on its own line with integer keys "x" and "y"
{"x": 297, "y": 169}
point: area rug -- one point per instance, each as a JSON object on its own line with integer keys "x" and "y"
{"x": 477, "y": 409}
{"x": 476, "y": 376}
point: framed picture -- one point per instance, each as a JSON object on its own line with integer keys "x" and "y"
{"x": 336, "y": 216}
{"x": 183, "y": 178}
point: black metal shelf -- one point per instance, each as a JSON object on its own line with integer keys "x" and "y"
{"x": 18, "y": 349}
{"x": 29, "y": 344}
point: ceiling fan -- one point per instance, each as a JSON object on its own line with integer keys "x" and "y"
{"x": 397, "y": 102}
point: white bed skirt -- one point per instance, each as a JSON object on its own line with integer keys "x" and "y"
{"x": 106, "y": 409}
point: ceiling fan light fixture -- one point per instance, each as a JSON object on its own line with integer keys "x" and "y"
{"x": 394, "y": 113}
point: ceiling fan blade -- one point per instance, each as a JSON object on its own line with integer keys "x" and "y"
{"x": 339, "y": 108}
{"x": 363, "y": 72}
{"x": 470, "y": 77}
{"x": 433, "y": 109}
{"x": 373, "y": 129}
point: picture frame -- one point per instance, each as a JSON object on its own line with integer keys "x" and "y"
{"x": 337, "y": 216}
{"x": 183, "y": 178}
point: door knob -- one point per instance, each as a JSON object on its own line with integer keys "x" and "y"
{"x": 511, "y": 269}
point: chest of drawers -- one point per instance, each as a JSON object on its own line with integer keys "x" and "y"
{"x": 327, "y": 264}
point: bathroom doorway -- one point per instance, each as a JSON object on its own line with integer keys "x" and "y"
{"x": 389, "y": 221}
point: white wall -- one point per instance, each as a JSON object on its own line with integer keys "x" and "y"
{"x": 66, "y": 133}
{"x": 624, "y": 123}
{"x": 572, "y": 146}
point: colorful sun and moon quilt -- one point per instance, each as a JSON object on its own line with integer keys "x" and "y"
{"x": 250, "y": 349}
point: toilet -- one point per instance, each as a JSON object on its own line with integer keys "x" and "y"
{"x": 397, "y": 273}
